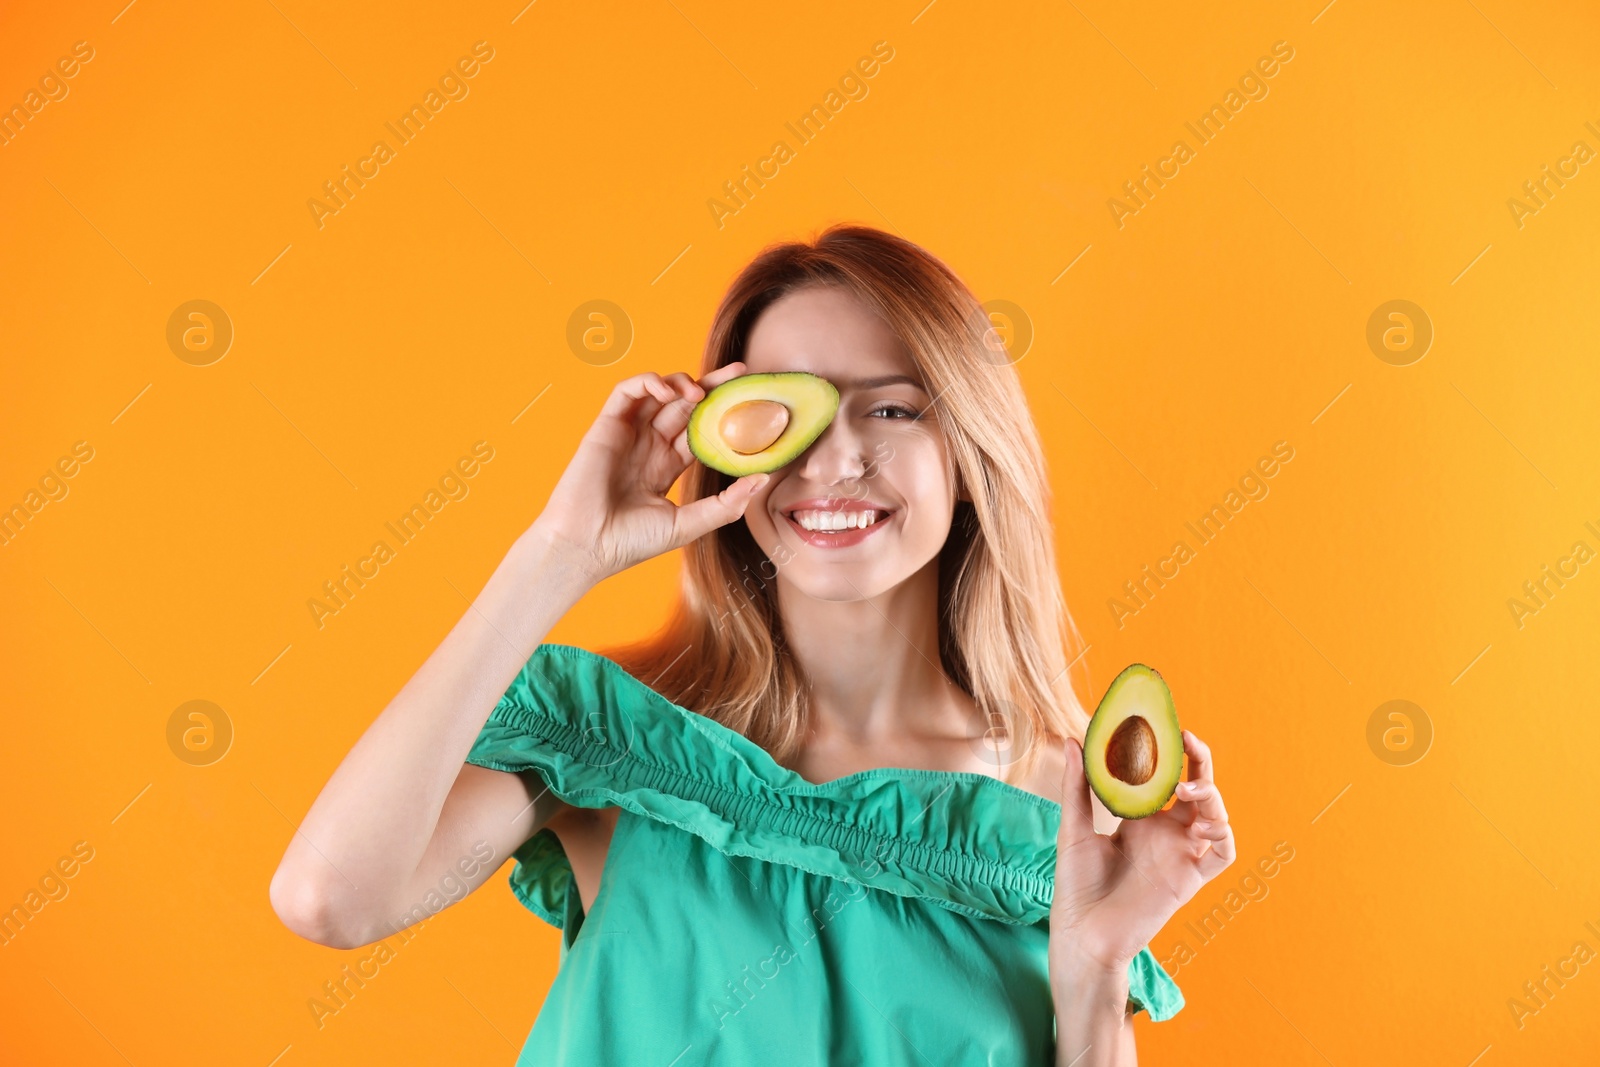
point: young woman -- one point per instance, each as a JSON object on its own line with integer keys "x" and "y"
{"x": 783, "y": 831}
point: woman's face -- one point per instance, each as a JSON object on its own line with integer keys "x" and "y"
{"x": 882, "y": 458}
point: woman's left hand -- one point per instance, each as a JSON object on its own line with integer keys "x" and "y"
{"x": 1113, "y": 893}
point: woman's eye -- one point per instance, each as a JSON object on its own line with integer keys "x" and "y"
{"x": 896, "y": 410}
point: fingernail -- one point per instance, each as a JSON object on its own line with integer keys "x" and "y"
{"x": 1202, "y": 826}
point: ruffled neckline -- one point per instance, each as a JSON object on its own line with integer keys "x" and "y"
{"x": 776, "y": 769}
{"x": 601, "y": 737}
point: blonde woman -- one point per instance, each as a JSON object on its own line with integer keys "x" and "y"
{"x": 780, "y": 831}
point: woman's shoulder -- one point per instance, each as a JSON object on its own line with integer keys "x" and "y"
{"x": 1049, "y": 767}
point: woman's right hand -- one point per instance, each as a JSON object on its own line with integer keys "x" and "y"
{"x": 394, "y": 819}
{"x": 609, "y": 510}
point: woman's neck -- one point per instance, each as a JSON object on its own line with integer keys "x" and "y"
{"x": 874, "y": 666}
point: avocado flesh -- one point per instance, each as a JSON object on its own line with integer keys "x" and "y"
{"x": 1133, "y": 748}
{"x": 810, "y": 401}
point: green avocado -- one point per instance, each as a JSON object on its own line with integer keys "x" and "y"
{"x": 759, "y": 422}
{"x": 1133, "y": 748}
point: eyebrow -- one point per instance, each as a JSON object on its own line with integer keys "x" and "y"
{"x": 880, "y": 382}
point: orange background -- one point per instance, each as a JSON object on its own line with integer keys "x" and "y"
{"x": 369, "y": 354}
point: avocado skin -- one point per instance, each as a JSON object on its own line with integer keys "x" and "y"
{"x": 812, "y": 402}
{"x": 1121, "y": 799}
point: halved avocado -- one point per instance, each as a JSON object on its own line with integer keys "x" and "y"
{"x": 760, "y": 422}
{"x": 1133, "y": 748}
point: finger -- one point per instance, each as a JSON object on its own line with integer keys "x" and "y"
{"x": 680, "y": 445}
{"x": 700, "y": 517}
{"x": 1200, "y": 764}
{"x": 640, "y": 441}
{"x": 1207, "y": 800}
{"x": 674, "y": 415}
{"x": 644, "y": 414}
{"x": 722, "y": 374}
{"x": 628, "y": 392}
{"x": 633, "y": 403}
{"x": 1077, "y": 813}
{"x": 1218, "y": 856}
{"x": 669, "y": 415}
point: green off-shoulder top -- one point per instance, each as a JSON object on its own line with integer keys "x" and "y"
{"x": 748, "y": 916}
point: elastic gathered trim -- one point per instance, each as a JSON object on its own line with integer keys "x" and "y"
{"x": 748, "y": 811}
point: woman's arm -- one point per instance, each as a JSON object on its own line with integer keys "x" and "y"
{"x": 1114, "y": 892}
{"x": 1093, "y": 1027}
{"x": 402, "y": 810}
{"x": 404, "y": 820}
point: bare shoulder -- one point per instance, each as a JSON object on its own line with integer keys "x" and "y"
{"x": 1050, "y": 764}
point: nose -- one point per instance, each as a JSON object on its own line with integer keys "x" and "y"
{"x": 837, "y": 457}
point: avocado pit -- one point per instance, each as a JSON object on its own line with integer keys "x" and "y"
{"x": 752, "y": 426}
{"x": 1131, "y": 752}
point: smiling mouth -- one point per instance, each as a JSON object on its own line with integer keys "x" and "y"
{"x": 818, "y": 520}
{"x": 836, "y": 528}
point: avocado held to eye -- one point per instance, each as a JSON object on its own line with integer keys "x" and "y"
{"x": 1133, "y": 748}
{"x": 759, "y": 422}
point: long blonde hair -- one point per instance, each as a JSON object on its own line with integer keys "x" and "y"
{"x": 1005, "y": 635}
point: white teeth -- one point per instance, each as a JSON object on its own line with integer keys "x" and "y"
{"x": 836, "y": 520}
